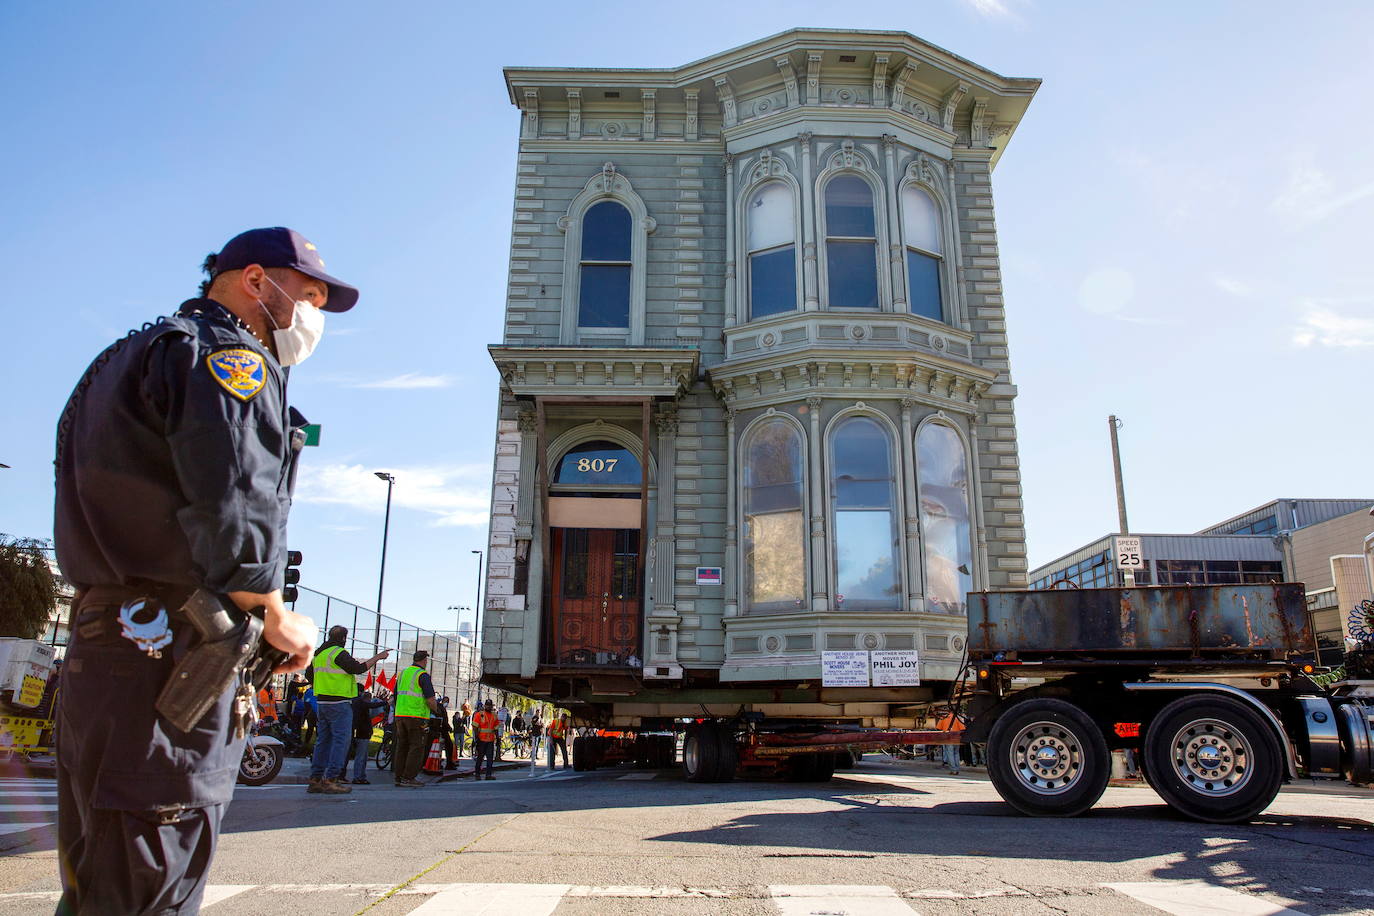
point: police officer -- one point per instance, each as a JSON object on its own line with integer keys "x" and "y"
{"x": 175, "y": 459}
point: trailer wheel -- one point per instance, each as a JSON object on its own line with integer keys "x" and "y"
{"x": 708, "y": 754}
{"x": 1213, "y": 759}
{"x": 1047, "y": 758}
{"x": 580, "y": 754}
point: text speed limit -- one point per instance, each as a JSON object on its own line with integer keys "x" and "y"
{"x": 1127, "y": 550}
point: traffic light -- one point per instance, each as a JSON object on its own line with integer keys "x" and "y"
{"x": 289, "y": 594}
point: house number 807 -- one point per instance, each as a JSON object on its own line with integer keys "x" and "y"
{"x": 596, "y": 464}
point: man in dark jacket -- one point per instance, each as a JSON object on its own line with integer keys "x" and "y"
{"x": 365, "y": 706}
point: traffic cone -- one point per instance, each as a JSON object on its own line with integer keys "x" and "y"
{"x": 435, "y": 762}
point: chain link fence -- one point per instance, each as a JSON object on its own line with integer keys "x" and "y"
{"x": 455, "y": 665}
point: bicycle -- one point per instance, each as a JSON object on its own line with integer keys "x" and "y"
{"x": 386, "y": 751}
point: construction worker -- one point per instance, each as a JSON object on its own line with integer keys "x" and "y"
{"x": 267, "y": 704}
{"x": 558, "y": 731}
{"x": 485, "y": 734}
{"x": 415, "y": 703}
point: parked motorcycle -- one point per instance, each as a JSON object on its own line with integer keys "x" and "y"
{"x": 262, "y": 760}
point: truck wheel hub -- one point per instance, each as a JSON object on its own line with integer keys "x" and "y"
{"x": 1211, "y": 757}
{"x": 1046, "y": 757}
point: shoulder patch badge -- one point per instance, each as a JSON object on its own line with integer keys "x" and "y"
{"x": 238, "y": 371}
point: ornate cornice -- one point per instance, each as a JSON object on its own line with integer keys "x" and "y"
{"x": 595, "y": 372}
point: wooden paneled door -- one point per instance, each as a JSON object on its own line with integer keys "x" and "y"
{"x": 596, "y": 602}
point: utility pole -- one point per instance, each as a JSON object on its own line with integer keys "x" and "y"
{"x": 381, "y": 577}
{"x": 1114, "y": 424}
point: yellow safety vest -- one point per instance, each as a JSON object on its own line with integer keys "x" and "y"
{"x": 330, "y": 679}
{"x": 410, "y": 699}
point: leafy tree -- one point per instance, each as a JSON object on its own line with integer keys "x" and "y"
{"x": 28, "y": 588}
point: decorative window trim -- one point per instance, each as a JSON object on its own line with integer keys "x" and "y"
{"x": 769, "y": 167}
{"x": 741, "y": 462}
{"x": 608, "y": 184}
{"x": 860, "y": 409}
{"x": 932, "y": 176}
{"x": 850, "y": 160}
{"x": 971, "y": 469}
{"x": 592, "y": 432}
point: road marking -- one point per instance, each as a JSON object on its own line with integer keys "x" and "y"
{"x": 838, "y": 900}
{"x": 652, "y": 893}
{"x": 494, "y": 900}
{"x": 6, "y": 829}
{"x": 16, "y": 809}
{"x": 217, "y": 893}
{"x": 1198, "y": 898}
{"x": 14, "y": 791}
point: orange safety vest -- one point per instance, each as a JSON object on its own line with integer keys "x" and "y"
{"x": 268, "y": 705}
{"x": 485, "y": 723}
{"x": 556, "y": 728}
{"x": 949, "y": 723}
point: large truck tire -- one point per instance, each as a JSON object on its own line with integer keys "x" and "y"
{"x": 708, "y": 753}
{"x": 1047, "y": 758}
{"x": 581, "y": 757}
{"x": 699, "y": 754}
{"x": 1213, "y": 758}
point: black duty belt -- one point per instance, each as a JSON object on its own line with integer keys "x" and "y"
{"x": 98, "y": 596}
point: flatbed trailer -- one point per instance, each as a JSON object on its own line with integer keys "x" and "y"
{"x": 1213, "y": 688}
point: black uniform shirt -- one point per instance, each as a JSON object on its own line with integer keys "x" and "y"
{"x": 175, "y": 459}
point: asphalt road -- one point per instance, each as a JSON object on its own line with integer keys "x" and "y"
{"x": 886, "y": 838}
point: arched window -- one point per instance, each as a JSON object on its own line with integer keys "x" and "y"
{"x": 851, "y": 244}
{"x": 772, "y": 231}
{"x": 863, "y": 493}
{"x": 942, "y": 488}
{"x": 774, "y": 532}
{"x": 923, "y": 236}
{"x": 604, "y": 284}
{"x": 598, "y": 464}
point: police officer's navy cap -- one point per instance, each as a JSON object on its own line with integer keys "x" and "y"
{"x": 282, "y": 247}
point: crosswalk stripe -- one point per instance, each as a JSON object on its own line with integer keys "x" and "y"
{"x": 494, "y": 900}
{"x": 218, "y": 893}
{"x": 636, "y": 776}
{"x": 6, "y": 829}
{"x": 838, "y": 900}
{"x": 17, "y": 809}
{"x": 1198, "y": 898}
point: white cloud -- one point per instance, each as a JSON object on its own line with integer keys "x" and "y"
{"x": 409, "y": 380}
{"x": 1107, "y": 291}
{"x": 451, "y": 494}
{"x": 1323, "y": 325}
{"x": 1309, "y": 195}
{"x": 1233, "y": 287}
{"x": 990, "y": 9}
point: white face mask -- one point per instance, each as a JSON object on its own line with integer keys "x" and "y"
{"x": 297, "y": 342}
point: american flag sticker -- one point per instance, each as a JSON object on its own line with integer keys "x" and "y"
{"x": 708, "y": 575}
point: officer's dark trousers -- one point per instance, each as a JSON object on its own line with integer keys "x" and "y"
{"x": 139, "y": 802}
{"x": 483, "y": 750}
{"x": 412, "y": 745}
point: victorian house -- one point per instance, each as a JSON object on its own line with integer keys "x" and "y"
{"x": 755, "y": 397}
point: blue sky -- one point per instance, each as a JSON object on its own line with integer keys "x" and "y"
{"x": 1184, "y": 217}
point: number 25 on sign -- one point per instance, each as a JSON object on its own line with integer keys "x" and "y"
{"x": 1127, "y": 550}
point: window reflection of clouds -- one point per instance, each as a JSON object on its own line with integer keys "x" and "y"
{"x": 867, "y": 568}
{"x": 942, "y": 478}
{"x": 774, "y": 544}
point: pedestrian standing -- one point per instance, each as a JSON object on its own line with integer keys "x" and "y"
{"x": 175, "y": 458}
{"x": 502, "y": 717}
{"x": 364, "y": 706}
{"x": 460, "y": 730}
{"x": 334, "y": 673}
{"x": 441, "y": 724}
{"x": 949, "y": 722}
{"x": 558, "y": 730}
{"x": 486, "y": 735}
{"x": 415, "y": 703}
{"x": 536, "y": 735}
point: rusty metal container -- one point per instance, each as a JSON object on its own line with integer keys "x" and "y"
{"x": 1190, "y": 621}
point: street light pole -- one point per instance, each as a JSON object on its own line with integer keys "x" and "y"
{"x": 462, "y": 676}
{"x": 381, "y": 576}
{"x": 477, "y": 626}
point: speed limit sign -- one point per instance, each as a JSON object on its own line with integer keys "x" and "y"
{"x": 1127, "y": 550}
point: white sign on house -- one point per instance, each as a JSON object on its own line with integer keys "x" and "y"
{"x": 844, "y": 669}
{"x": 895, "y": 668}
